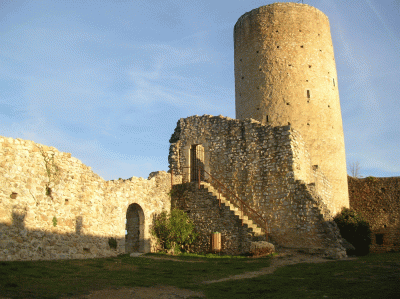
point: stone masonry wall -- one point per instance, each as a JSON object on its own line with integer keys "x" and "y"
{"x": 209, "y": 217}
{"x": 378, "y": 200}
{"x": 39, "y": 183}
{"x": 256, "y": 162}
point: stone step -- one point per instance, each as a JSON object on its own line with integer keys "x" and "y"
{"x": 257, "y": 230}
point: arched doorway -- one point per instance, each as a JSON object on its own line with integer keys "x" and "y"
{"x": 134, "y": 238}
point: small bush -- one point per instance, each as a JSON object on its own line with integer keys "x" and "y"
{"x": 54, "y": 221}
{"x": 174, "y": 230}
{"x": 355, "y": 229}
{"x": 112, "y": 242}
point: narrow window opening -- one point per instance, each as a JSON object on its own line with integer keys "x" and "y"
{"x": 379, "y": 239}
{"x": 384, "y": 226}
{"x": 278, "y": 47}
{"x": 309, "y": 66}
{"x": 334, "y": 82}
{"x": 276, "y": 30}
{"x": 267, "y": 119}
{"x": 288, "y": 104}
{"x": 329, "y": 106}
{"x": 308, "y": 93}
{"x": 301, "y": 46}
{"x": 306, "y": 80}
{"x": 308, "y": 124}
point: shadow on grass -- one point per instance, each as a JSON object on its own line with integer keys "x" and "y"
{"x": 372, "y": 276}
{"x": 53, "y": 279}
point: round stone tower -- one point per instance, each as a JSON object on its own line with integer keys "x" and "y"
{"x": 285, "y": 73}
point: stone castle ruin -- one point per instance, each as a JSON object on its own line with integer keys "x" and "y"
{"x": 276, "y": 173}
{"x": 284, "y": 153}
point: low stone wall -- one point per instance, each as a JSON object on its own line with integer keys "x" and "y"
{"x": 52, "y": 206}
{"x": 378, "y": 200}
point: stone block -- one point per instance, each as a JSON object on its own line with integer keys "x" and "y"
{"x": 261, "y": 248}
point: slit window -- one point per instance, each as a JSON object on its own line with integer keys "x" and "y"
{"x": 308, "y": 94}
{"x": 267, "y": 119}
{"x": 379, "y": 239}
{"x": 334, "y": 82}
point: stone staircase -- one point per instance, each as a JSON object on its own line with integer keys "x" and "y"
{"x": 259, "y": 233}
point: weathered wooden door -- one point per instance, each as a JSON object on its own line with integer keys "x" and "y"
{"x": 196, "y": 162}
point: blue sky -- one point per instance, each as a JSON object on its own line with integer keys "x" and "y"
{"x": 107, "y": 81}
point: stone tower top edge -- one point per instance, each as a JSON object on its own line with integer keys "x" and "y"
{"x": 270, "y": 7}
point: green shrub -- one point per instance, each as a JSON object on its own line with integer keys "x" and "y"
{"x": 48, "y": 191}
{"x": 174, "y": 230}
{"x": 355, "y": 229}
{"x": 112, "y": 242}
{"x": 54, "y": 221}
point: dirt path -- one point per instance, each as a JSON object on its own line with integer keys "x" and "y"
{"x": 159, "y": 292}
{"x": 278, "y": 261}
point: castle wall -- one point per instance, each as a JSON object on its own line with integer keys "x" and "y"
{"x": 378, "y": 200}
{"x": 39, "y": 183}
{"x": 209, "y": 217}
{"x": 285, "y": 73}
{"x": 257, "y": 163}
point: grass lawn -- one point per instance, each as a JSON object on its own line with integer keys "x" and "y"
{"x": 372, "y": 276}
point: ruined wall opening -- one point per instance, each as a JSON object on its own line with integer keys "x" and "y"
{"x": 379, "y": 239}
{"x": 196, "y": 162}
{"x": 134, "y": 238}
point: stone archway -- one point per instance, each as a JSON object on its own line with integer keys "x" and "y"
{"x": 134, "y": 239}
